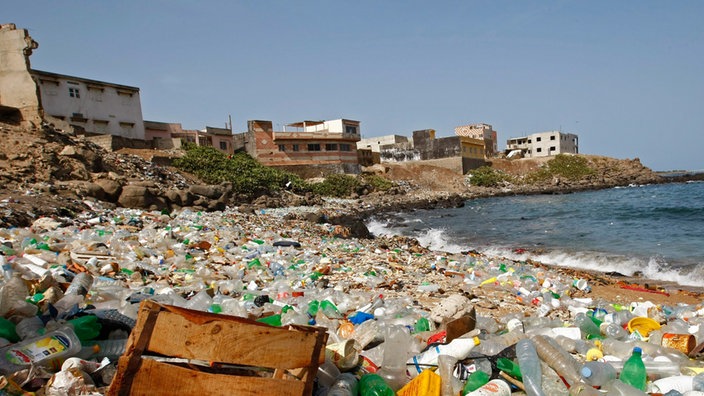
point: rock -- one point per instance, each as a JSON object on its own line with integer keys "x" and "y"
{"x": 69, "y": 151}
{"x": 111, "y": 188}
{"x": 135, "y": 196}
{"x": 451, "y": 308}
{"x": 209, "y": 191}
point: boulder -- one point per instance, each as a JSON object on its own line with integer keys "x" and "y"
{"x": 111, "y": 188}
{"x": 134, "y": 196}
{"x": 209, "y": 191}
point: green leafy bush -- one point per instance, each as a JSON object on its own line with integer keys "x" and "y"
{"x": 376, "y": 182}
{"x": 247, "y": 176}
{"x": 570, "y": 167}
{"x": 487, "y": 176}
{"x": 336, "y": 185}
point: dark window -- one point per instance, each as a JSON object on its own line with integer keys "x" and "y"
{"x": 223, "y": 145}
{"x": 552, "y": 137}
{"x": 351, "y": 129}
{"x": 538, "y": 139}
{"x": 538, "y": 150}
{"x": 345, "y": 147}
{"x": 330, "y": 147}
{"x": 314, "y": 147}
{"x": 552, "y": 148}
{"x": 282, "y": 147}
{"x": 74, "y": 92}
{"x": 295, "y": 147}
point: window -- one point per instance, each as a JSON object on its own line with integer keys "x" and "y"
{"x": 295, "y": 147}
{"x": 538, "y": 150}
{"x": 223, "y": 145}
{"x": 538, "y": 139}
{"x": 351, "y": 129}
{"x": 345, "y": 147}
{"x": 74, "y": 92}
{"x": 314, "y": 147}
{"x": 529, "y": 141}
{"x": 330, "y": 147}
{"x": 552, "y": 148}
{"x": 282, "y": 147}
{"x": 101, "y": 126}
{"x": 552, "y": 137}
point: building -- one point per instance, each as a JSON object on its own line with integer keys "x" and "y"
{"x": 91, "y": 106}
{"x": 29, "y": 96}
{"x": 369, "y": 148}
{"x": 473, "y": 153}
{"x": 308, "y": 148}
{"x": 481, "y": 131}
{"x": 543, "y": 144}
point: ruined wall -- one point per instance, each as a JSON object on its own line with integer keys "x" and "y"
{"x": 19, "y": 100}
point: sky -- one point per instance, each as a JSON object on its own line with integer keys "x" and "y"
{"x": 626, "y": 76}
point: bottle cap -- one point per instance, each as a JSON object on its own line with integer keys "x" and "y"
{"x": 637, "y": 350}
{"x": 586, "y": 372}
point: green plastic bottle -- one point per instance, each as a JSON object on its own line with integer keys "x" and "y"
{"x": 509, "y": 367}
{"x": 374, "y": 385}
{"x": 633, "y": 372}
{"x": 273, "y": 320}
{"x": 7, "y": 330}
{"x": 475, "y": 381}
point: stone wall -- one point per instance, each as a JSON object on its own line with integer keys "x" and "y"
{"x": 19, "y": 98}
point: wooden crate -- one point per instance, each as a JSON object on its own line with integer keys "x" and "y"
{"x": 277, "y": 360}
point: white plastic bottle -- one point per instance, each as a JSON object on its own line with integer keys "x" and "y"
{"x": 598, "y": 373}
{"x": 459, "y": 348}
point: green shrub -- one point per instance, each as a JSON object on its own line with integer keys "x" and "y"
{"x": 570, "y": 167}
{"x": 487, "y": 176}
{"x": 376, "y": 182}
{"x": 336, "y": 185}
{"x": 247, "y": 176}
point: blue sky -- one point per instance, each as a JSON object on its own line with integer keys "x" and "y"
{"x": 626, "y": 76}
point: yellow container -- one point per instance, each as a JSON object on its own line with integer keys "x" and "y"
{"x": 643, "y": 325}
{"x": 427, "y": 383}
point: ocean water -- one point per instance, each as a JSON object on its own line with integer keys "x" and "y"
{"x": 656, "y": 231}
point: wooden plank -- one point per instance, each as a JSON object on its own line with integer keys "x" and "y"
{"x": 163, "y": 379}
{"x": 225, "y": 341}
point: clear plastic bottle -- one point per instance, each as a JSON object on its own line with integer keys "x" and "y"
{"x": 396, "y": 343}
{"x": 598, "y": 373}
{"x": 588, "y": 327}
{"x": 634, "y": 371}
{"x": 529, "y": 362}
{"x": 458, "y": 348}
{"x": 618, "y": 388}
{"x": 612, "y": 330}
{"x": 698, "y": 382}
{"x": 557, "y": 358}
{"x": 98, "y": 349}
{"x": 552, "y": 383}
{"x": 80, "y": 284}
{"x": 345, "y": 384}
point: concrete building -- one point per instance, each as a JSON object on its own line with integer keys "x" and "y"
{"x": 543, "y": 144}
{"x": 481, "y": 131}
{"x": 473, "y": 153}
{"x": 370, "y": 148}
{"x": 29, "y": 96}
{"x": 19, "y": 102}
{"x": 91, "y": 106}
{"x": 308, "y": 148}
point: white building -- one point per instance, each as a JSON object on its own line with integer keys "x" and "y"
{"x": 93, "y": 106}
{"x": 543, "y": 144}
{"x": 374, "y": 143}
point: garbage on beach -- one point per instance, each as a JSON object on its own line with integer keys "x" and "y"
{"x": 72, "y": 289}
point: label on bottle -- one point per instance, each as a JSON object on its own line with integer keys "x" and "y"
{"x": 682, "y": 342}
{"x": 38, "y": 350}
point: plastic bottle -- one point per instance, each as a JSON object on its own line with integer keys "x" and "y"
{"x": 587, "y": 325}
{"x": 598, "y": 373}
{"x": 80, "y": 284}
{"x": 698, "y": 382}
{"x": 618, "y": 388}
{"x": 8, "y": 330}
{"x": 28, "y": 328}
{"x": 557, "y": 358}
{"x": 345, "y": 384}
{"x": 529, "y": 363}
{"x": 612, "y": 330}
{"x": 458, "y": 348}
{"x": 397, "y": 340}
{"x": 552, "y": 383}
{"x": 634, "y": 370}
{"x": 98, "y": 349}
{"x": 449, "y": 384}
{"x": 46, "y": 350}
{"x": 475, "y": 381}
{"x": 330, "y": 310}
{"x": 616, "y": 348}
{"x": 374, "y": 385}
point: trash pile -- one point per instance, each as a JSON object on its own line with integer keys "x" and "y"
{"x": 400, "y": 319}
